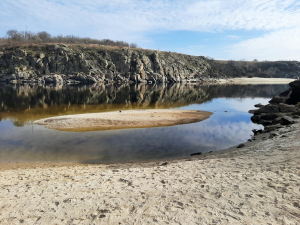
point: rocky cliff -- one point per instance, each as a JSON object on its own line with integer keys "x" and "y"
{"x": 282, "y": 110}
{"x": 73, "y": 64}
{"x": 94, "y": 64}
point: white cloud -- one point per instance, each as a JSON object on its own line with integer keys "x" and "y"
{"x": 233, "y": 36}
{"x": 281, "y": 44}
{"x": 133, "y": 20}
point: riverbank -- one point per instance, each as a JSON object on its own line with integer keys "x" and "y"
{"x": 123, "y": 119}
{"x": 256, "y": 184}
{"x": 257, "y": 80}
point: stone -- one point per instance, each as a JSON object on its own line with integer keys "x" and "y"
{"x": 256, "y": 119}
{"x": 259, "y": 105}
{"x": 53, "y": 79}
{"x": 277, "y": 120}
{"x": 286, "y": 120}
{"x": 241, "y": 146}
{"x": 270, "y": 116}
{"x": 267, "y": 109}
{"x": 277, "y": 99}
{"x": 197, "y": 153}
{"x": 295, "y": 84}
{"x": 255, "y": 131}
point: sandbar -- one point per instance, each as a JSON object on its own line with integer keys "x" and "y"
{"x": 257, "y": 80}
{"x": 123, "y": 119}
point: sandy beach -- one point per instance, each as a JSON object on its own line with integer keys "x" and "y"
{"x": 256, "y": 184}
{"x": 124, "y": 119}
{"x": 257, "y": 80}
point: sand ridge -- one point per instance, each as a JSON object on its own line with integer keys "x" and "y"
{"x": 124, "y": 119}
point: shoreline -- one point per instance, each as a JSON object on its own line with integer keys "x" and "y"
{"x": 252, "y": 183}
{"x": 256, "y": 183}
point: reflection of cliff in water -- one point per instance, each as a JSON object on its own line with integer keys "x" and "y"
{"x": 23, "y": 103}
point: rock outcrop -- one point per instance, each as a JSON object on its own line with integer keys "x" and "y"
{"x": 73, "y": 64}
{"x": 282, "y": 110}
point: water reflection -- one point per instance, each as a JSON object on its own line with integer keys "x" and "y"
{"x": 22, "y": 141}
{"x": 26, "y": 103}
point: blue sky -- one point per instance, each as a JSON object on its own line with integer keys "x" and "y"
{"x": 222, "y": 29}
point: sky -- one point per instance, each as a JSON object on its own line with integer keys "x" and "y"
{"x": 221, "y": 29}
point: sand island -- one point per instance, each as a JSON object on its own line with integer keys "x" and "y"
{"x": 124, "y": 119}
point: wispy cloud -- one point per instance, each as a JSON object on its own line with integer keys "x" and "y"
{"x": 133, "y": 20}
{"x": 281, "y": 44}
{"x": 233, "y": 36}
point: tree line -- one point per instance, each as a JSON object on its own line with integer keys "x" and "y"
{"x": 14, "y": 37}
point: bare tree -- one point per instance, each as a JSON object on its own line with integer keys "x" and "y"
{"x": 16, "y": 37}
{"x": 44, "y": 36}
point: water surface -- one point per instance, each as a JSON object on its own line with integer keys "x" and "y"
{"x": 230, "y": 124}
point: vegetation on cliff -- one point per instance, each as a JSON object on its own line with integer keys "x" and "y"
{"x": 15, "y": 37}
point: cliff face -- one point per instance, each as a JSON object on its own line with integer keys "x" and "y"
{"x": 93, "y": 64}
{"x": 276, "y": 69}
{"x": 73, "y": 64}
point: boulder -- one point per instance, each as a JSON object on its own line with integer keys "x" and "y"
{"x": 277, "y": 120}
{"x": 259, "y": 105}
{"x": 286, "y": 120}
{"x": 270, "y": 116}
{"x": 267, "y": 109}
{"x": 90, "y": 79}
{"x": 295, "y": 84}
{"x": 53, "y": 79}
{"x": 277, "y": 100}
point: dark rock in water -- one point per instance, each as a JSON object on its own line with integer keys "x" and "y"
{"x": 270, "y": 116}
{"x": 240, "y": 146}
{"x": 255, "y": 132}
{"x": 277, "y": 99}
{"x": 259, "y": 105}
{"x": 267, "y": 109}
{"x": 197, "y": 153}
{"x": 256, "y": 119}
{"x": 295, "y": 84}
{"x": 294, "y": 98}
{"x": 286, "y": 120}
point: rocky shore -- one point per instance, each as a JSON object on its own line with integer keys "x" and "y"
{"x": 283, "y": 109}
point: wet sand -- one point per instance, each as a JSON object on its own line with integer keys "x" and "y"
{"x": 256, "y": 184}
{"x": 123, "y": 119}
